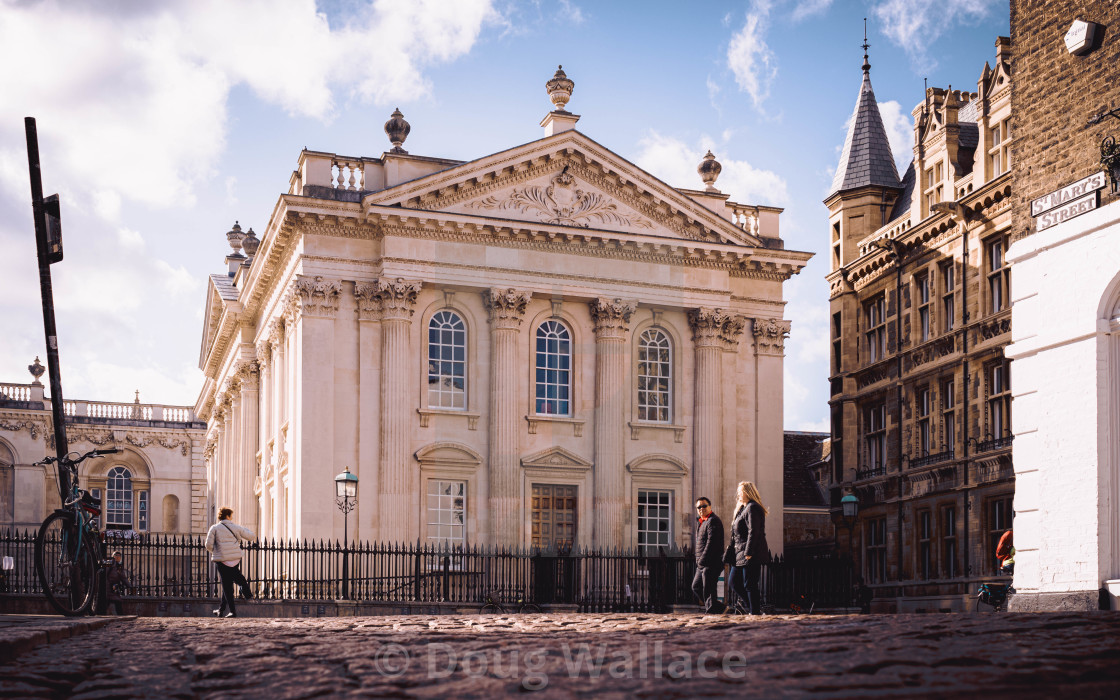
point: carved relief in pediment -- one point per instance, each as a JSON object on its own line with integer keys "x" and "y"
{"x": 561, "y": 201}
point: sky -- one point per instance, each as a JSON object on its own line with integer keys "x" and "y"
{"x": 162, "y": 123}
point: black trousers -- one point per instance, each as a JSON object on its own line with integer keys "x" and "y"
{"x": 744, "y": 579}
{"x": 704, "y": 586}
{"x": 230, "y": 575}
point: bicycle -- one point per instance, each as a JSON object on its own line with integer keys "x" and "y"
{"x": 992, "y": 597}
{"x": 67, "y": 546}
{"x": 491, "y": 606}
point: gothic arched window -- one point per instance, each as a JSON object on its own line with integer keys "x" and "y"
{"x": 447, "y": 361}
{"x": 553, "y": 369}
{"x": 118, "y": 506}
{"x": 655, "y": 376}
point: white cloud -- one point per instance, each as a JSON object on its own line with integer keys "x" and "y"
{"x": 915, "y": 25}
{"x": 808, "y": 8}
{"x": 675, "y": 162}
{"x": 231, "y": 190}
{"x": 129, "y": 239}
{"x": 136, "y": 101}
{"x": 571, "y": 12}
{"x": 900, "y": 133}
{"x": 748, "y": 56}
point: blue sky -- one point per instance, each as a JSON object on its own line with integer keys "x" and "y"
{"x": 162, "y": 123}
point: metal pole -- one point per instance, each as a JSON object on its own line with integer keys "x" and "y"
{"x": 61, "y": 446}
{"x": 346, "y": 551}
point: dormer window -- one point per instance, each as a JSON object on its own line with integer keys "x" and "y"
{"x": 933, "y": 186}
{"x": 999, "y": 155}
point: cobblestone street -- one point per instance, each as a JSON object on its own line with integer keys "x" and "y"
{"x": 570, "y": 655}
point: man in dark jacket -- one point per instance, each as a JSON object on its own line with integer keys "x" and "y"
{"x": 709, "y": 556}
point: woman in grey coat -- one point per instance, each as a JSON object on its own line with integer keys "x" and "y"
{"x": 748, "y": 537}
{"x": 223, "y": 541}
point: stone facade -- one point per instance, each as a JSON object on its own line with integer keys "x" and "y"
{"x": 1066, "y": 313}
{"x": 920, "y": 314}
{"x": 541, "y": 346}
{"x": 155, "y": 484}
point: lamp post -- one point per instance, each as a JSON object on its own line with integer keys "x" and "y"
{"x": 849, "y": 510}
{"x": 346, "y": 496}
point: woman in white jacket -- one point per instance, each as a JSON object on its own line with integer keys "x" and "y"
{"x": 223, "y": 541}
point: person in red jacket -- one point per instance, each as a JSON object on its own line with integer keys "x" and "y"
{"x": 1005, "y": 553}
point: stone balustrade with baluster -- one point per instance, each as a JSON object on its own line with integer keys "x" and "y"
{"x": 100, "y": 409}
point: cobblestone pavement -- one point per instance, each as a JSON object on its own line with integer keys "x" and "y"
{"x": 571, "y": 655}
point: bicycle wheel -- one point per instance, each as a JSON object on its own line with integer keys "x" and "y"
{"x": 491, "y": 609}
{"x": 983, "y": 606}
{"x": 66, "y": 564}
{"x": 530, "y": 608}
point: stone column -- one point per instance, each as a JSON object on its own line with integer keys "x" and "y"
{"x": 366, "y": 527}
{"x": 275, "y": 394}
{"x": 610, "y": 502}
{"x": 507, "y": 309}
{"x": 264, "y": 362}
{"x": 707, "y": 430}
{"x": 399, "y": 510}
{"x": 247, "y": 505}
{"x": 767, "y": 470}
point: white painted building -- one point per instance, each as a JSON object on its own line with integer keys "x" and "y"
{"x": 545, "y": 346}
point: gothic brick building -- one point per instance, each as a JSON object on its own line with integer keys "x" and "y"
{"x": 920, "y": 314}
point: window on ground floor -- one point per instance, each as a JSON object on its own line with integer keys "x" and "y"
{"x": 949, "y": 541}
{"x": 447, "y": 512}
{"x": 998, "y": 515}
{"x": 876, "y": 550}
{"x": 655, "y": 518}
{"x": 925, "y": 545}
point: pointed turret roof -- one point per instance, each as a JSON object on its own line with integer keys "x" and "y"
{"x": 866, "y": 158}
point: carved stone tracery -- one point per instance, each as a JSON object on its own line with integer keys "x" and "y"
{"x": 506, "y": 306}
{"x": 318, "y": 297}
{"x": 611, "y": 317}
{"x": 770, "y": 335}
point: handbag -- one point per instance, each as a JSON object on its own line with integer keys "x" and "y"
{"x": 729, "y": 555}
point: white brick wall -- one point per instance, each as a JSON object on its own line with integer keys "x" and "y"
{"x": 1064, "y": 285}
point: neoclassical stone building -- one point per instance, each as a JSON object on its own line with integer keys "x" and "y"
{"x": 920, "y": 315}
{"x": 155, "y": 484}
{"x": 544, "y": 346}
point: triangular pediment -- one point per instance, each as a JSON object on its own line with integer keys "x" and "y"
{"x": 565, "y": 180}
{"x": 556, "y": 458}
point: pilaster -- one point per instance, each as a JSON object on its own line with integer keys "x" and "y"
{"x": 368, "y": 301}
{"x": 399, "y": 495}
{"x": 506, "y": 309}
{"x": 611, "y": 318}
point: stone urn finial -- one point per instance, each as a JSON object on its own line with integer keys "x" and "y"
{"x": 250, "y": 243}
{"x": 235, "y": 236}
{"x": 559, "y": 89}
{"x": 709, "y": 170}
{"x": 36, "y": 371}
{"x": 397, "y": 129}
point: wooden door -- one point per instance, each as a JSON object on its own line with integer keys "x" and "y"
{"x": 553, "y": 516}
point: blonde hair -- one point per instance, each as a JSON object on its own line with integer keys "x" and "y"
{"x": 225, "y": 513}
{"x": 746, "y": 493}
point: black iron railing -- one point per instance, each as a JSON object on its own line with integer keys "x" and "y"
{"x": 994, "y": 444}
{"x": 927, "y": 460}
{"x": 179, "y": 567}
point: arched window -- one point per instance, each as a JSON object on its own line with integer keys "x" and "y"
{"x": 447, "y": 361}
{"x": 118, "y": 508}
{"x": 655, "y": 376}
{"x": 553, "y": 369}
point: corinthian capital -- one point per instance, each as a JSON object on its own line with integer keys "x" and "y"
{"x": 612, "y": 317}
{"x": 706, "y": 325}
{"x": 770, "y": 335}
{"x": 368, "y": 296}
{"x": 318, "y": 297}
{"x": 398, "y": 297}
{"x": 506, "y": 306}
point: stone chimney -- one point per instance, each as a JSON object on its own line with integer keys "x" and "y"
{"x": 559, "y": 90}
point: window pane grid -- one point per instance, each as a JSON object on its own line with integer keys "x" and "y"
{"x": 553, "y": 369}
{"x": 118, "y": 508}
{"x": 447, "y": 361}
{"x": 654, "y": 376}
{"x": 654, "y": 520}
{"x": 447, "y": 512}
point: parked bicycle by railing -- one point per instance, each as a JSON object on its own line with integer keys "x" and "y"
{"x": 492, "y": 606}
{"x": 67, "y": 547}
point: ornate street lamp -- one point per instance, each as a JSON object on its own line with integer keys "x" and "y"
{"x": 849, "y": 511}
{"x": 346, "y": 496}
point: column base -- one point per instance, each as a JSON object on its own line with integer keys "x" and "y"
{"x": 1066, "y": 601}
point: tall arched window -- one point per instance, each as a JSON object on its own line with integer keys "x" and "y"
{"x": 447, "y": 361}
{"x": 655, "y": 376}
{"x": 553, "y": 369}
{"x": 118, "y": 508}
